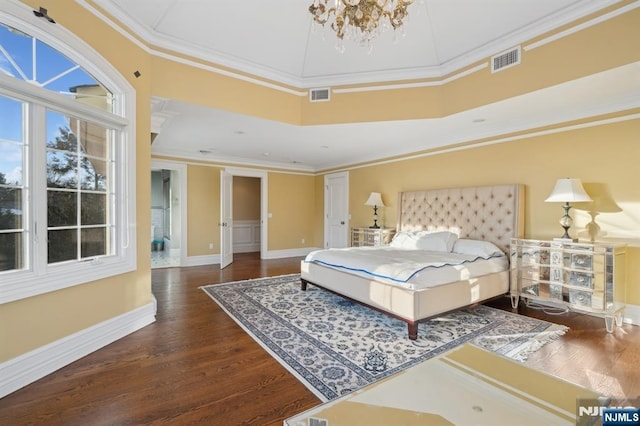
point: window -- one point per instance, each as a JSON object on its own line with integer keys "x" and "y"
{"x": 11, "y": 184}
{"x": 78, "y": 196}
{"x": 67, "y": 170}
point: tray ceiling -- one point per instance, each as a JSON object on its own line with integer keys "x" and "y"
{"x": 277, "y": 40}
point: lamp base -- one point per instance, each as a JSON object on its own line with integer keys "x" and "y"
{"x": 374, "y": 227}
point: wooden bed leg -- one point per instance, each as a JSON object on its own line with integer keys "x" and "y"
{"x": 303, "y": 284}
{"x": 412, "y": 327}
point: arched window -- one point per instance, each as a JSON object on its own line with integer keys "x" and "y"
{"x": 67, "y": 171}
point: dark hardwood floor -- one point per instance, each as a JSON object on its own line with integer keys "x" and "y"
{"x": 194, "y": 365}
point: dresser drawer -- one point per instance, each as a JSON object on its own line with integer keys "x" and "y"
{"x": 579, "y": 297}
{"x": 581, "y": 279}
{"x": 581, "y": 261}
{"x": 535, "y": 272}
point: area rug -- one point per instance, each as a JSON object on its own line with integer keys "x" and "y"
{"x": 335, "y": 346}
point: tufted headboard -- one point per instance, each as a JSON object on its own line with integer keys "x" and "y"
{"x": 492, "y": 213}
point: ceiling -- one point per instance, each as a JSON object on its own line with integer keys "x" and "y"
{"x": 277, "y": 40}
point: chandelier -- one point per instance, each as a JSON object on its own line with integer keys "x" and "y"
{"x": 359, "y": 20}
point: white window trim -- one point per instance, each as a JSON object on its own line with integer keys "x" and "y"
{"x": 16, "y": 285}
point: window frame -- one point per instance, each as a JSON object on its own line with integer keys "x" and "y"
{"x": 40, "y": 277}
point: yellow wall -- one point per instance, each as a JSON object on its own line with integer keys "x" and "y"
{"x": 601, "y": 154}
{"x": 318, "y": 217}
{"x": 291, "y": 203}
{"x": 201, "y": 87}
{"x": 246, "y": 198}
{"x": 604, "y": 157}
{"x": 612, "y": 42}
{"x": 633, "y": 275}
{"x": 292, "y": 208}
{"x": 33, "y": 322}
{"x": 566, "y": 59}
{"x": 203, "y": 210}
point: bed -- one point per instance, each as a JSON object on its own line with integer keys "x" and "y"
{"x": 492, "y": 214}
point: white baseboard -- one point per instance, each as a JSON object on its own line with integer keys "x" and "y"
{"x": 297, "y": 252}
{"x": 27, "y": 368}
{"x": 202, "y": 260}
{"x": 632, "y": 314}
{"x": 246, "y": 248}
{"x": 271, "y": 254}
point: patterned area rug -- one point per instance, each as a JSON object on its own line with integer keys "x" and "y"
{"x": 335, "y": 346}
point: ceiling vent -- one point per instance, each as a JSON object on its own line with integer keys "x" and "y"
{"x": 319, "y": 95}
{"x": 505, "y": 59}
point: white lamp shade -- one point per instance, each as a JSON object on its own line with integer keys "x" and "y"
{"x": 375, "y": 199}
{"x": 568, "y": 190}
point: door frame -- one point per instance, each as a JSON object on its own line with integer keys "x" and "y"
{"x": 347, "y": 216}
{"x": 264, "y": 205}
{"x": 181, "y": 169}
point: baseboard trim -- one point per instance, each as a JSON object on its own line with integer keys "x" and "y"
{"x": 632, "y": 314}
{"x": 271, "y": 254}
{"x": 31, "y": 366}
{"x": 203, "y": 260}
{"x": 249, "y": 248}
{"x": 298, "y": 252}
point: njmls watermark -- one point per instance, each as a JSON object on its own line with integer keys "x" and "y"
{"x": 608, "y": 412}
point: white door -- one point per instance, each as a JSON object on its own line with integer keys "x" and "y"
{"x": 336, "y": 207}
{"x": 226, "y": 219}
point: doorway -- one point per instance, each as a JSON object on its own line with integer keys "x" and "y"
{"x": 246, "y": 214}
{"x": 243, "y": 216}
{"x": 168, "y": 204}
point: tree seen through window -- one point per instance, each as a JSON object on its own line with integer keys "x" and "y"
{"x": 77, "y": 196}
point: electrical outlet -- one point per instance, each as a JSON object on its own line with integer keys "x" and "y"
{"x": 210, "y": 246}
{"x": 302, "y": 241}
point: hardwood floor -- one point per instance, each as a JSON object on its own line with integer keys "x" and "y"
{"x": 194, "y": 365}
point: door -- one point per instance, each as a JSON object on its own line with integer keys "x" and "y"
{"x": 336, "y": 207}
{"x": 226, "y": 219}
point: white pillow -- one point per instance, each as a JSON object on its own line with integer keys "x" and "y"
{"x": 425, "y": 240}
{"x": 476, "y": 248}
{"x": 403, "y": 240}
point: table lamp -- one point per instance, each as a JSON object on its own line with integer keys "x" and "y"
{"x": 567, "y": 190}
{"x": 375, "y": 200}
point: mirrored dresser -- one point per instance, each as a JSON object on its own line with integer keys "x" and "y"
{"x": 583, "y": 277}
{"x": 371, "y": 236}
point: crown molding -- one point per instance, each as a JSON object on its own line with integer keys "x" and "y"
{"x": 226, "y": 161}
{"x": 246, "y": 69}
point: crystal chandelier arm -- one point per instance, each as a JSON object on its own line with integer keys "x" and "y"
{"x": 321, "y": 13}
{"x": 360, "y": 19}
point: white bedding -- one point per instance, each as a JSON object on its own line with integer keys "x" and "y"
{"x": 412, "y": 269}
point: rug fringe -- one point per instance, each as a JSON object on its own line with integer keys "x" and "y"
{"x": 523, "y": 352}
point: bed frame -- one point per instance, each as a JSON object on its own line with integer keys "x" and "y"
{"x": 491, "y": 213}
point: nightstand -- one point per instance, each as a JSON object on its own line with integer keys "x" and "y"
{"x": 584, "y": 277}
{"x": 371, "y": 236}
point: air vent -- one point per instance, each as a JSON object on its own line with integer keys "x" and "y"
{"x": 505, "y": 59}
{"x": 319, "y": 95}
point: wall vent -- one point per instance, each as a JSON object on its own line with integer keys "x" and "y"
{"x": 319, "y": 95}
{"x": 505, "y": 59}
